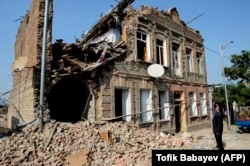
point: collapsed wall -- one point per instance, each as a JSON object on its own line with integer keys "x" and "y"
{"x": 93, "y": 78}
{"x": 23, "y": 101}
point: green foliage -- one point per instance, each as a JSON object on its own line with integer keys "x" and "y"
{"x": 219, "y": 95}
{"x": 240, "y": 70}
{"x": 239, "y": 93}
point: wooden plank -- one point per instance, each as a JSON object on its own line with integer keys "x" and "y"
{"x": 51, "y": 135}
{"x": 78, "y": 159}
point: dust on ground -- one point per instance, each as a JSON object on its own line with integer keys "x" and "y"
{"x": 231, "y": 138}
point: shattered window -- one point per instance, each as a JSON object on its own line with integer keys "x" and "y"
{"x": 199, "y": 66}
{"x": 188, "y": 60}
{"x": 159, "y": 52}
{"x": 142, "y": 46}
{"x": 176, "y": 59}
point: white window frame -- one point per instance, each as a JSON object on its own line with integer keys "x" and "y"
{"x": 193, "y": 104}
{"x": 164, "y": 110}
{"x": 161, "y": 48}
{"x": 126, "y": 104}
{"x": 146, "y": 106}
{"x": 203, "y": 105}
{"x": 199, "y": 65}
{"x": 189, "y": 61}
{"x": 176, "y": 62}
{"x": 147, "y": 41}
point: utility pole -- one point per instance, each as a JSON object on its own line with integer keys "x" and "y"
{"x": 222, "y": 48}
{"x": 43, "y": 67}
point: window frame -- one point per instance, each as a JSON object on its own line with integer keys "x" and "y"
{"x": 189, "y": 64}
{"x": 143, "y": 38}
{"x": 147, "y": 114}
{"x": 163, "y": 58}
{"x": 164, "y": 105}
{"x": 176, "y": 60}
{"x": 193, "y": 104}
{"x": 203, "y": 106}
{"x": 199, "y": 64}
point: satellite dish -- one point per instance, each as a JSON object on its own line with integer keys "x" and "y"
{"x": 155, "y": 70}
{"x": 19, "y": 63}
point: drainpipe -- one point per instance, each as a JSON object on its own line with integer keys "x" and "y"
{"x": 210, "y": 100}
{"x": 95, "y": 108}
{"x": 43, "y": 60}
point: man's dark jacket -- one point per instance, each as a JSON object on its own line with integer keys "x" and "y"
{"x": 218, "y": 122}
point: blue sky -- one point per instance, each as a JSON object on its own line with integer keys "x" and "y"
{"x": 223, "y": 21}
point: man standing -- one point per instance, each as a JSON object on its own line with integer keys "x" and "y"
{"x": 218, "y": 126}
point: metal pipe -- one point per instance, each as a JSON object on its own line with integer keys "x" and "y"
{"x": 224, "y": 82}
{"x": 210, "y": 96}
{"x": 43, "y": 61}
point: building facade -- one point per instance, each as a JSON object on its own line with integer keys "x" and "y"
{"x": 108, "y": 74}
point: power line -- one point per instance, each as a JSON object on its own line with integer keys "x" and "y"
{"x": 5, "y": 93}
{"x": 195, "y": 18}
{"x": 213, "y": 51}
{"x": 216, "y": 52}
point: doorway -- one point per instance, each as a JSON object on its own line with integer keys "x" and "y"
{"x": 177, "y": 102}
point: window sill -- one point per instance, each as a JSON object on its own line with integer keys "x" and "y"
{"x": 164, "y": 120}
{"x": 195, "y": 116}
{"x": 146, "y": 122}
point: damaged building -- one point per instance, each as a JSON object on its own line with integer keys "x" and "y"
{"x": 144, "y": 66}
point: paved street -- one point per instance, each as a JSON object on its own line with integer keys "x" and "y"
{"x": 231, "y": 138}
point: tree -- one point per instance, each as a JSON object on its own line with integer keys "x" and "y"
{"x": 240, "y": 69}
{"x": 218, "y": 94}
{"x": 239, "y": 93}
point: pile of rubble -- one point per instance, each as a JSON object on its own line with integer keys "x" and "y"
{"x": 90, "y": 143}
{"x": 244, "y": 115}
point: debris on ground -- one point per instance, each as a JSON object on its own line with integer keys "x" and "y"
{"x": 91, "y": 143}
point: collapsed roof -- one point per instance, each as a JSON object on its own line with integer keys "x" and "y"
{"x": 98, "y": 46}
{"x": 102, "y": 43}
